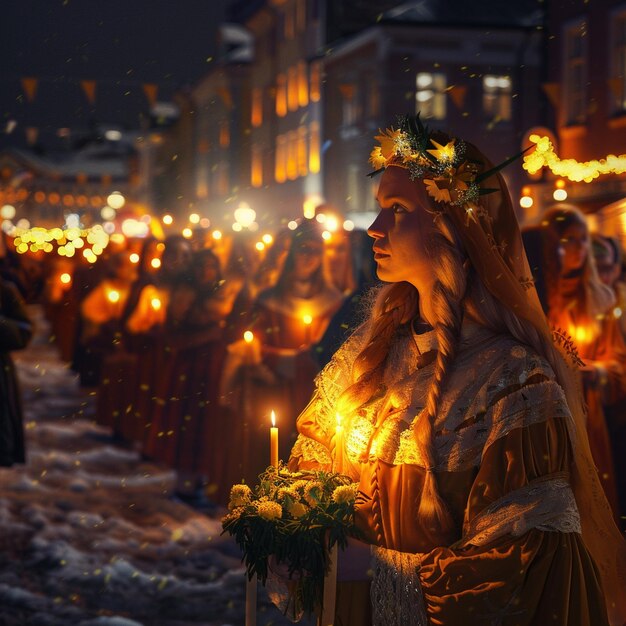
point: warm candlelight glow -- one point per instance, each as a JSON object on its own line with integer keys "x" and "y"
{"x": 307, "y": 319}
{"x": 156, "y": 303}
{"x": 167, "y": 219}
{"x": 134, "y": 258}
{"x": 248, "y": 337}
{"x": 113, "y": 296}
{"x": 273, "y": 441}
{"x": 187, "y": 233}
{"x": 338, "y": 444}
{"x": 66, "y": 279}
{"x": 156, "y": 263}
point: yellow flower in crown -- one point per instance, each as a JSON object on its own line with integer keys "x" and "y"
{"x": 377, "y": 159}
{"x": 437, "y": 189}
{"x": 443, "y": 153}
{"x": 449, "y": 177}
{"x": 388, "y": 141}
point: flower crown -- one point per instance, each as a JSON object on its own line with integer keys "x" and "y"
{"x": 449, "y": 177}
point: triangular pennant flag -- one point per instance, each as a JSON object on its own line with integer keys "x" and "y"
{"x": 32, "y": 132}
{"x": 616, "y": 85}
{"x": 553, "y": 92}
{"x": 89, "y": 89}
{"x": 457, "y": 95}
{"x": 29, "y": 85}
{"x": 150, "y": 90}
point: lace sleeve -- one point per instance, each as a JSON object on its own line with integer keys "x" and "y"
{"x": 316, "y": 423}
{"x": 523, "y": 484}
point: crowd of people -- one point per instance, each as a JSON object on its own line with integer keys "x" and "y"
{"x": 190, "y": 345}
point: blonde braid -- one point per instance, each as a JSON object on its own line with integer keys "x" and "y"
{"x": 447, "y": 307}
{"x": 396, "y": 304}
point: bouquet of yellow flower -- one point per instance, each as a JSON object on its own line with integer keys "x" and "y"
{"x": 294, "y": 517}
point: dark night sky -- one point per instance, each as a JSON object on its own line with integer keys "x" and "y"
{"x": 119, "y": 43}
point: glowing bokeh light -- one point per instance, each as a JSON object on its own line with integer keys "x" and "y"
{"x": 545, "y": 156}
{"x": 116, "y": 200}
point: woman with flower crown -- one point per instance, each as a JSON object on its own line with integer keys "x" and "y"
{"x": 462, "y": 421}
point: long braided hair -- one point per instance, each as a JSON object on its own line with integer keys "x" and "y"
{"x": 396, "y": 305}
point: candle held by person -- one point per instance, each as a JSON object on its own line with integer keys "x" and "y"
{"x": 113, "y": 296}
{"x": 307, "y": 321}
{"x": 274, "y": 442}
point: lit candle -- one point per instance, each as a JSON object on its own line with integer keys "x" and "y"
{"x": 156, "y": 304}
{"x": 274, "y": 442}
{"x": 308, "y": 320}
{"x": 248, "y": 337}
{"x": 339, "y": 445}
{"x": 113, "y": 296}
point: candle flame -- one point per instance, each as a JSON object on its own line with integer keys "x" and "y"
{"x": 307, "y": 319}
{"x": 156, "y": 303}
{"x": 338, "y": 420}
{"x": 113, "y": 296}
{"x": 248, "y": 337}
{"x": 66, "y": 278}
{"x": 273, "y": 418}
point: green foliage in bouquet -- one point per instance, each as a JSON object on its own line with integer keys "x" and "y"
{"x": 296, "y": 517}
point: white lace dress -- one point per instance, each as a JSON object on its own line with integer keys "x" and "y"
{"x": 502, "y": 452}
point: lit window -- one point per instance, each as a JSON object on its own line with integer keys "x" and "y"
{"x": 303, "y": 85}
{"x": 303, "y": 169}
{"x": 314, "y": 148}
{"x": 497, "y": 97}
{"x": 224, "y": 134}
{"x": 281, "y": 95}
{"x": 617, "y": 82}
{"x": 292, "y": 88}
{"x": 349, "y": 104}
{"x": 301, "y": 15}
{"x": 316, "y": 75}
{"x": 292, "y": 155}
{"x": 373, "y": 101}
{"x": 256, "y": 118}
{"x": 430, "y": 95}
{"x": 256, "y": 166}
{"x": 289, "y": 22}
{"x": 575, "y": 55}
{"x": 280, "y": 173}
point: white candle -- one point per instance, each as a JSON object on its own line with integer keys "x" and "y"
{"x": 274, "y": 442}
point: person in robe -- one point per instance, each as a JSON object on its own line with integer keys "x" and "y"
{"x": 102, "y": 312}
{"x": 583, "y": 308}
{"x": 463, "y": 424}
{"x": 277, "y": 370}
{"x": 607, "y": 256}
{"x": 15, "y": 332}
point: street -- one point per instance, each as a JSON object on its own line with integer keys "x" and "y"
{"x": 90, "y": 534}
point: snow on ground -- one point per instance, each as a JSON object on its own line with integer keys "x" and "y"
{"x": 89, "y": 532}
